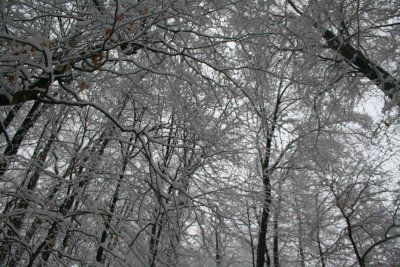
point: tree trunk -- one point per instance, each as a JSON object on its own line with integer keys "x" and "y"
{"x": 47, "y": 245}
{"x": 218, "y": 257}
{"x": 253, "y": 261}
{"x": 11, "y": 115}
{"x": 350, "y": 235}
{"x": 384, "y": 80}
{"x": 300, "y": 240}
{"x": 96, "y": 152}
{"x": 155, "y": 239}
{"x": 109, "y": 216}
{"x": 276, "y": 238}
{"x": 262, "y": 235}
{"x": 28, "y": 185}
{"x": 321, "y": 254}
{"x": 356, "y": 59}
{"x": 23, "y": 204}
{"x": 12, "y": 148}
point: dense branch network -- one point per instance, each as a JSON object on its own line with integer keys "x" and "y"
{"x": 195, "y": 133}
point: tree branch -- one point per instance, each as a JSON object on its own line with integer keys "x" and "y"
{"x": 356, "y": 59}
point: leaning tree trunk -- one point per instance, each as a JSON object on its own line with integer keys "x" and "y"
{"x": 12, "y": 148}
{"x": 9, "y": 118}
{"x": 389, "y": 85}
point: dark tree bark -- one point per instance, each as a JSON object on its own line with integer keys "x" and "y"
{"x": 253, "y": 258}
{"x": 10, "y": 117}
{"x": 384, "y": 80}
{"x": 262, "y": 235}
{"x": 320, "y": 251}
{"x": 23, "y": 203}
{"x": 218, "y": 257}
{"x": 360, "y": 62}
{"x": 156, "y": 230}
{"x": 113, "y": 204}
{"x": 275, "y": 248}
{"x": 96, "y": 152}
{"x": 12, "y": 148}
{"x": 300, "y": 237}
{"x": 350, "y": 234}
{"x": 12, "y": 229}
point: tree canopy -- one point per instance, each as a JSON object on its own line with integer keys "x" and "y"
{"x": 199, "y": 133}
